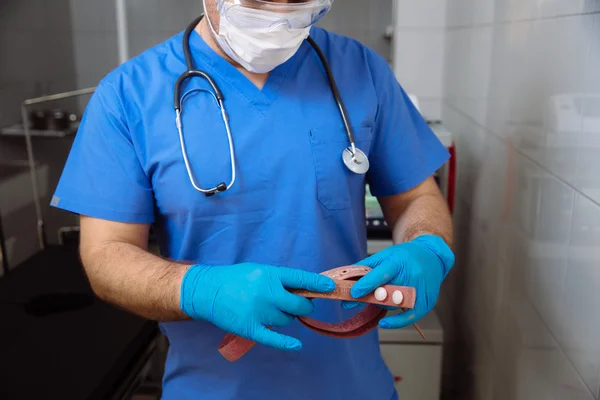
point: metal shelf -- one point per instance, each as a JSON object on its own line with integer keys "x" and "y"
{"x": 18, "y": 130}
{"x": 29, "y": 134}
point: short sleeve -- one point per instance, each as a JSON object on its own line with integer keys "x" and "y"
{"x": 103, "y": 177}
{"x": 404, "y": 151}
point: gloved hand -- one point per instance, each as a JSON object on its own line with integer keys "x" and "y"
{"x": 244, "y": 299}
{"x": 422, "y": 263}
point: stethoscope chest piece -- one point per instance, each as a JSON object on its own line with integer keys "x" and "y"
{"x": 356, "y": 160}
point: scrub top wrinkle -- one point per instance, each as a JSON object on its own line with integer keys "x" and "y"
{"x": 294, "y": 203}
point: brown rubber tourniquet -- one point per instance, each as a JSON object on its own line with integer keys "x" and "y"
{"x": 234, "y": 347}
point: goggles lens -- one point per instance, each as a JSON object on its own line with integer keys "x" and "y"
{"x": 296, "y": 14}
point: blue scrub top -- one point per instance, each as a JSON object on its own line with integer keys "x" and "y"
{"x": 294, "y": 203}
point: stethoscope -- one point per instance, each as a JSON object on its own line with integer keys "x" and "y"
{"x": 354, "y": 158}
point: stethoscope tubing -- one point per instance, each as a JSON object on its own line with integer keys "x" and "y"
{"x": 334, "y": 90}
{"x": 218, "y": 95}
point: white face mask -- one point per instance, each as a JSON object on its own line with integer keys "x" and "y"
{"x": 258, "y": 46}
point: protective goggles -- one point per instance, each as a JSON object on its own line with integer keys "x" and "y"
{"x": 296, "y": 14}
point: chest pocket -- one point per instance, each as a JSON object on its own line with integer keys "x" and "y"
{"x": 336, "y": 184}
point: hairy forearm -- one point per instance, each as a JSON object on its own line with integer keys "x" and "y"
{"x": 133, "y": 279}
{"x": 426, "y": 214}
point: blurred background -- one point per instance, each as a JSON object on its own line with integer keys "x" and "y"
{"x": 512, "y": 87}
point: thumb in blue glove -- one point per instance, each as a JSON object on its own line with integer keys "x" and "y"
{"x": 245, "y": 299}
{"x": 422, "y": 263}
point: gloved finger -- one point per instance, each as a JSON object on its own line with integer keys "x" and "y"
{"x": 276, "y": 340}
{"x": 293, "y": 304}
{"x": 299, "y": 279}
{"x": 398, "y": 321}
{"x": 279, "y": 319}
{"x": 372, "y": 261}
{"x": 383, "y": 274}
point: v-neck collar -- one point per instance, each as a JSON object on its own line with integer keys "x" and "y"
{"x": 260, "y": 99}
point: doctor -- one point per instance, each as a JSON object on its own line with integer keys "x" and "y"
{"x": 293, "y": 211}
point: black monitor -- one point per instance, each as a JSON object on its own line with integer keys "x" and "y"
{"x": 377, "y": 228}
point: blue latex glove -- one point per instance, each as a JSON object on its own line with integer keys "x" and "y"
{"x": 244, "y": 299}
{"x": 422, "y": 263}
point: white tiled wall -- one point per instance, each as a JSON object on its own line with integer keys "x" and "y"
{"x": 418, "y": 50}
{"x": 521, "y": 92}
